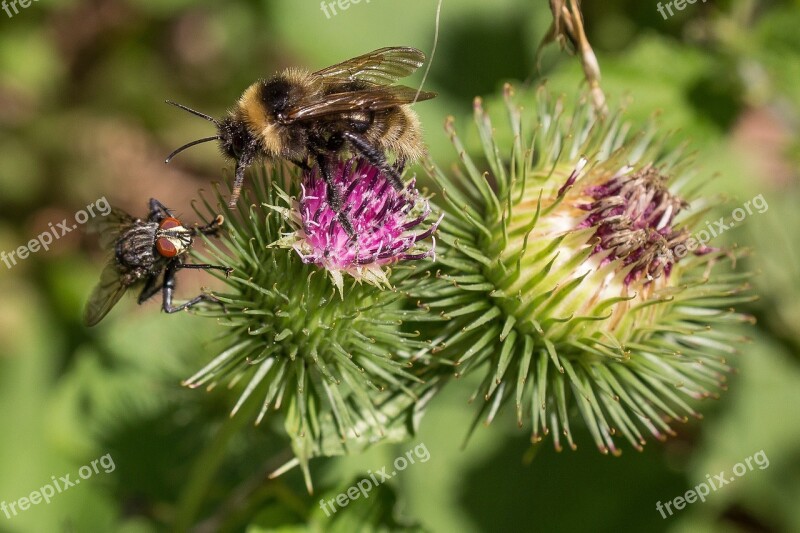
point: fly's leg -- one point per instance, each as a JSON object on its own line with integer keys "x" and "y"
{"x": 169, "y": 287}
{"x": 151, "y": 287}
{"x": 158, "y": 211}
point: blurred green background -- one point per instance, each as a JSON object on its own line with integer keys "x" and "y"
{"x": 82, "y": 85}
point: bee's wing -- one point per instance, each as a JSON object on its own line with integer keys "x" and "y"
{"x": 381, "y": 67}
{"x": 110, "y": 226}
{"x": 372, "y": 99}
{"x": 105, "y": 295}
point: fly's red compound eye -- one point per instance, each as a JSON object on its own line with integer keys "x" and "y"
{"x": 165, "y": 247}
{"x": 169, "y": 223}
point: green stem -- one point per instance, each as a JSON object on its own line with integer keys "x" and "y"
{"x": 207, "y": 464}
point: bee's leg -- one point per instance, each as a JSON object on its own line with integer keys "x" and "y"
{"x": 169, "y": 290}
{"x": 150, "y": 288}
{"x": 375, "y": 157}
{"x": 400, "y": 165}
{"x": 241, "y": 165}
{"x": 334, "y": 197}
{"x": 158, "y": 211}
{"x": 302, "y": 165}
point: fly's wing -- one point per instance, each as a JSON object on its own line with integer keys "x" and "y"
{"x": 380, "y": 67}
{"x": 105, "y": 295}
{"x": 371, "y": 99}
{"x": 110, "y": 226}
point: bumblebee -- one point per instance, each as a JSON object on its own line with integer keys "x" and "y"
{"x": 303, "y": 117}
{"x": 147, "y": 253}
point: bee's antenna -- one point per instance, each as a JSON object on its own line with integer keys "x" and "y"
{"x": 189, "y": 145}
{"x": 193, "y": 112}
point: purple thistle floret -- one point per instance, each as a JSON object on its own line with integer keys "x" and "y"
{"x": 383, "y": 218}
{"x": 634, "y": 216}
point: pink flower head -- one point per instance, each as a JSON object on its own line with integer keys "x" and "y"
{"x": 384, "y": 221}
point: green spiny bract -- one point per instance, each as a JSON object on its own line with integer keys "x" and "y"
{"x": 567, "y": 275}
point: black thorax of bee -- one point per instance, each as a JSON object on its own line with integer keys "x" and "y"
{"x": 274, "y": 97}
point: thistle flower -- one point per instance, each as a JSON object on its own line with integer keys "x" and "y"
{"x": 338, "y": 366}
{"x": 564, "y": 276}
{"x": 384, "y": 221}
{"x": 633, "y": 216}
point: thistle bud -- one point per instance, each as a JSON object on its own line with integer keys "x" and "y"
{"x": 566, "y": 277}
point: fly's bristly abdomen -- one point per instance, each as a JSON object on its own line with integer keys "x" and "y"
{"x": 134, "y": 249}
